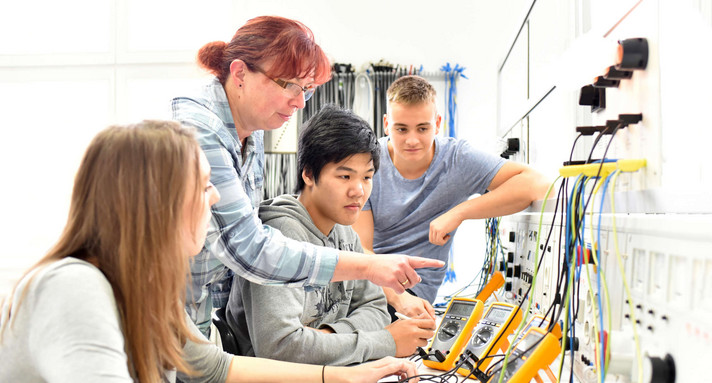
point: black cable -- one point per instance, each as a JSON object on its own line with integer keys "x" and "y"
{"x": 577, "y": 228}
{"x": 444, "y": 377}
{"x": 551, "y": 310}
{"x": 566, "y": 269}
{"x": 546, "y": 242}
{"x": 571, "y": 156}
{"x": 578, "y": 220}
{"x": 476, "y": 367}
{"x": 603, "y": 160}
{"x": 499, "y": 336}
{"x": 598, "y": 138}
{"x": 562, "y": 268}
{"x": 551, "y": 228}
{"x": 562, "y": 273}
{"x": 563, "y": 276}
{"x": 548, "y": 237}
{"x": 562, "y": 220}
{"x": 577, "y": 288}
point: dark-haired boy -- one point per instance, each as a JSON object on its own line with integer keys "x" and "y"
{"x": 346, "y": 322}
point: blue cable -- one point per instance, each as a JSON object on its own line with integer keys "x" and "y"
{"x": 570, "y": 227}
{"x": 450, "y": 275}
{"x": 571, "y": 330}
{"x": 567, "y": 252}
{"x": 580, "y": 240}
{"x": 570, "y": 256}
{"x": 600, "y": 303}
{"x": 451, "y": 76}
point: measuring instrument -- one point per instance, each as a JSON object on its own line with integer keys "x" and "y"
{"x": 537, "y": 350}
{"x": 454, "y": 331}
{"x": 489, "y": 336}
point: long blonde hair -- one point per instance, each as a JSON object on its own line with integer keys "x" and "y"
{"x": 125, "y": 215}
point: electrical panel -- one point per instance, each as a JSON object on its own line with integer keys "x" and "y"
{"x": 667, "y": 265}
{"x": 639, "y": 308}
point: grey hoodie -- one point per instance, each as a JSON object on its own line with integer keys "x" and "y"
{"x": 272, "y": 321}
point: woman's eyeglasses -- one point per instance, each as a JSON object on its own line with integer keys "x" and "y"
{"x": 293, "y": 89}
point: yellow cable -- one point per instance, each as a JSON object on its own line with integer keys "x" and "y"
{"x": 621, "y": 268}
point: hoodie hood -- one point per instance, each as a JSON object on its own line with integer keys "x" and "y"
{"x": 289, "y": 215}
{"x": 287, "y": 206}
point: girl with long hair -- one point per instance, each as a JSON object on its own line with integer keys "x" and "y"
{"x": 106, "y": 304}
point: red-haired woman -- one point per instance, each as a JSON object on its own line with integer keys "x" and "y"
{"x": 262, "y": 76}
{"x": 106, "y": 304}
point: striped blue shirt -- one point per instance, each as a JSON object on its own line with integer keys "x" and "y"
{"x": 237, "y": 241}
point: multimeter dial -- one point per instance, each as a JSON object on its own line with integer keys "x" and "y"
{"x": 482, "y": 336}
{"x": 448, "y": 331}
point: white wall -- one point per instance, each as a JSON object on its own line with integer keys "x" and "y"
{"x": 64, "y": 76}
{"x": 473, "y": 34}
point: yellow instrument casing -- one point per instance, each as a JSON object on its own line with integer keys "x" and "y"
{"x": 489, "y": 336}
{"x": 495, "y": 282}
{"x": 524, "y": 368}
{"x": 454, "y": 331}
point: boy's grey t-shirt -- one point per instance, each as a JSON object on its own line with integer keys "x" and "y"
{"x": 403, "y": 209}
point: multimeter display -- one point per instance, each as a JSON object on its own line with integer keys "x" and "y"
{"x": 461, "y": 309}
{"x": 498, "y": 315}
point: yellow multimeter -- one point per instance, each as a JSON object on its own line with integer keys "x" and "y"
{"x": 489, "y": 336}
{"x": 454, "y": 331}
{"x": 528, "y": 357}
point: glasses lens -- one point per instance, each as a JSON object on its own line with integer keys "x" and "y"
{"x": 294, "y": 90}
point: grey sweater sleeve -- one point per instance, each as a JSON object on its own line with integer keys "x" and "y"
{"x": 275, "y": 325}
{"x": 67, "y": 329}
{"x": 210, "y": 363}
{"x": 273, "y": 320}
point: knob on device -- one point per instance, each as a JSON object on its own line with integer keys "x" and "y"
{"x": 632, "y": 54}
{"x": 658, "y": 370}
